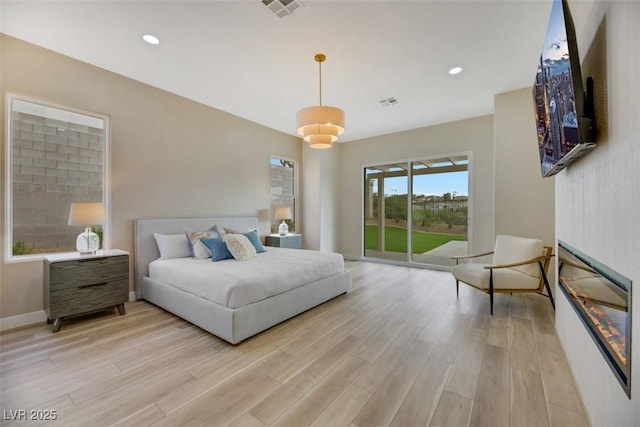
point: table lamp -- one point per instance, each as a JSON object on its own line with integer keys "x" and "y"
{"x": 87, "y": 214}
{"x": 283, "y": 213}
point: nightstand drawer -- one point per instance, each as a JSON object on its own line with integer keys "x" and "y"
{"x": 293, "y": 241}
{"x": 76, "y": 273}
{"x": 86, "y": 298}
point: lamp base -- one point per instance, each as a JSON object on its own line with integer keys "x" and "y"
{"x": 283, "y": 228}
{"x": 87, "y": 242}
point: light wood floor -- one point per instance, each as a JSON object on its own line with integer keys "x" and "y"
{"x": 399, "y": 349}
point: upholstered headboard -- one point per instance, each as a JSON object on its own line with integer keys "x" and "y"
{"x": 145, "y": 246}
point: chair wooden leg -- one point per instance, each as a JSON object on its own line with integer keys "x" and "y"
{"x": 491, "y": 291}
{"x": 546, "y": 284}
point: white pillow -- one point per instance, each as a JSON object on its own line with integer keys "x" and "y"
{"x": 240, "y": 247}
{"x": 172, "y": 245}
{"x": 198, "y": 249}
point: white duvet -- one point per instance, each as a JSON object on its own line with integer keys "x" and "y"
{"x": 237, "y": 283}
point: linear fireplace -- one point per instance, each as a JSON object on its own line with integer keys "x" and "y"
{"x": 602, "y": 299}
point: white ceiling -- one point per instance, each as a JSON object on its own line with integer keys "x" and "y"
{"x": 239, "y": 57}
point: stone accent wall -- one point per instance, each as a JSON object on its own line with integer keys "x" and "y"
{"x": 55, "y": 163}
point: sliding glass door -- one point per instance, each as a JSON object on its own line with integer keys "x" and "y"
{"x": 439, "y": 207}
{"x": 385, "y": 229}
{"x": 432, "y": 222}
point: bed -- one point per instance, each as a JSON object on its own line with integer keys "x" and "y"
{"x": 231, "y": 299}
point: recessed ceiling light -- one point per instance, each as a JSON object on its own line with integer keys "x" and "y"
{"x": 151, "y": 39}
{"x": 455, "y": 70}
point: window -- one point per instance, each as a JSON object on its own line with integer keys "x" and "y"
{"x": 417, "y": 211}
{"x": 55, "y": 156}
{"x": 283, "y": 191}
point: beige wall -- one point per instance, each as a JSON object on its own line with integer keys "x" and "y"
{"x": 524, "y": 200}
{"x": 598, "y": 198}
{"x": 173, "y": 157}
{"x": 169, "y": 156}
{"x": 473, "y": 136}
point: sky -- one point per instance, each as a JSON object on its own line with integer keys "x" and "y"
{"x": 436, "y": 184}
{"x": 555, "y": 43}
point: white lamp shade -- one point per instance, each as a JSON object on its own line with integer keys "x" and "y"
{"x": 283, "y": 213}
{"x": 320, "y": 125}
{"x": 86, "y": 213}
{"x": 320, "y": 142}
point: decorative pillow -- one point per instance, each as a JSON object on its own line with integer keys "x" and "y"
{"x": 239, "y": 246}
{"x": 198, "y": 249}
{"x": 172, "y": 245}
{"x": 252, "y": 235}
{"x": 254, "y": 238}
{"x": 235, "y": 230}
{"x": 218, "y": 248}
{"x": 220, "y": 230}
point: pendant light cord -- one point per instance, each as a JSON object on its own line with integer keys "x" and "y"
{"x": 320, "y": 79}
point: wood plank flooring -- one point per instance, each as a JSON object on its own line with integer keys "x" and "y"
{"x": 398, "y": 350}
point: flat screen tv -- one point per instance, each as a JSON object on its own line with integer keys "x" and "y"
{"x": 563, "y": 110}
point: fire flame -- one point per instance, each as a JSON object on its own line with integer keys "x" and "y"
{"x": 600, "y": 319}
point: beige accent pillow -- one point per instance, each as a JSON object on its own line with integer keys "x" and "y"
{"x": 198, "y": 249}
{"x": 240, "y": 246}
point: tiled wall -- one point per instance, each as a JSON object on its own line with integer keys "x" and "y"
{"x": 598, "y": 199}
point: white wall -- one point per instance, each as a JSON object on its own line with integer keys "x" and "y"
{"x": 320, "y": 182}
{"x": 329, "y": 196}
{"x": 598, "y": 198}
{"x": 473, "y": 136}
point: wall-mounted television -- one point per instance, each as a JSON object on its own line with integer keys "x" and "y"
{"x": 563, "y": 110}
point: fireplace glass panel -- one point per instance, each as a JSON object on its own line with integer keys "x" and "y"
{"x": 601, "y": 297}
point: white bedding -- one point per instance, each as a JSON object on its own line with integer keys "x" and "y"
{"x": 235, "y": 284}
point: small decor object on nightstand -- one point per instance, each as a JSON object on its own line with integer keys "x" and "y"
{"x": 283, "y": 213}
{"x": 87, "y": 214}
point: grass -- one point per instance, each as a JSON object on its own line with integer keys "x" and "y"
{"x": 396, "y": 239}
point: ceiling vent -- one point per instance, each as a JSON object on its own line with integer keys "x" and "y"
{"x": 389, "y": 102}
{"x": 282, "y": 8}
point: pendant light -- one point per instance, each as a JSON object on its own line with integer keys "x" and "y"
{"x": 320, "y": 125}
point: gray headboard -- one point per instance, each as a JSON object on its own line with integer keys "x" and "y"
{"x": 145, "y": 246}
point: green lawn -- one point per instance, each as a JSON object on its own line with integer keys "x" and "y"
{"x": 396, "y": 239}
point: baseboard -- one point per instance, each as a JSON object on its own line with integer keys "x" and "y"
{"x": 33, "y": 318}
{"x": 22, "y": 320}
{"x": 350, "y": 257}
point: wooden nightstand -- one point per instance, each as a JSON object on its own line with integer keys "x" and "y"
{"x": 293, "y": 241}
{"x": 77, "y": 284}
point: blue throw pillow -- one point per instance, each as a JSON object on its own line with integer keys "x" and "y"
{"x": 255, "y": 240}
{"x": 218, "y": 248}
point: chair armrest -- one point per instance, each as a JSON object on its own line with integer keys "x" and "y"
{"x": 516, "y": 264}
{"x": 471, "y": 256}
